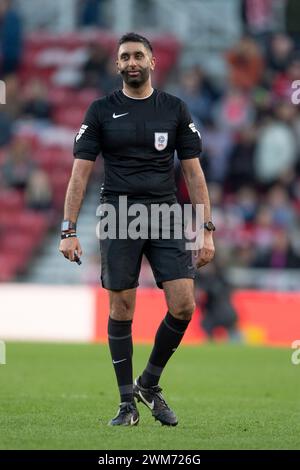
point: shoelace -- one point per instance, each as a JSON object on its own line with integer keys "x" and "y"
{"x": 157, "y": 392}
{"x": 126, "y": 408}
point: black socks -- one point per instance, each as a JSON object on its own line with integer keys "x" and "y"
{"x": 167, "y": 339}
{"x": 120, "y": 344}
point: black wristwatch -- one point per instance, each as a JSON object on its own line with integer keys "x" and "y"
{"x": 67, "y": 225}
{"x": 209, "y": 226}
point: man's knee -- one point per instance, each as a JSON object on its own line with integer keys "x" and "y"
{"x": 121, "y": 307}
{"x": 184, "y": 311}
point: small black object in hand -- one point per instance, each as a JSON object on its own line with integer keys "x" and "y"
{"x": 78, "y": 260}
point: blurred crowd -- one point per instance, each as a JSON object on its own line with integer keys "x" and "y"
{"x": 251, "y": 138}
{"x": 249, "y": 123}
{"x": 18, "y": 170}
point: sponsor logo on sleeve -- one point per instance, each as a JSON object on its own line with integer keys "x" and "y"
{"x": 81, "y": 132}
{"x": 193, "y": 128}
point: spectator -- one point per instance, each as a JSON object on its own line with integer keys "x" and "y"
{"x": 95, "y": 68}
{"x": 218, "y": 145}
{"x": 258, "y": 16}
{"x": 244, "y": 255}
{"x": 281, "y": 255}
{"x": 109, "y": 81}
{"x": 246, "y": 64}
{"x": 5, "y": 129}
{"x": 196, "y": 91}
{"x": 36, "y": 104}
{"x": 90, "y": 13}
{"x": 11, "y": 38}
{"x": 279, "y": 52}
{"x": 281, "y": 87}
{"x": 213, "y": 295}
{"x": 241, "y": 159}
{"x": 38, "y": 194}
{"x": 276, "y": 146}
{"x": 282, "y": 211}
{"x": 246, "y": 203}
{"x": 263, "y": 231}
{"x": 292, "y": 20}
{"x": 234, "y": 111}
{"x": 13, "y": 106}
{"x": 18, "y": 167}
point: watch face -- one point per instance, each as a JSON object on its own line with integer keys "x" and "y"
{"x": 210, "y": 226}
{"x": 67, "y": 225}
{"x": 64, "y": 225}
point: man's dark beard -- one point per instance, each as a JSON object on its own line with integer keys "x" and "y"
{"x": 136, "y": 82}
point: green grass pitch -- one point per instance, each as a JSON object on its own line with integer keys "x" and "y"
{"x": 60, "y": 396}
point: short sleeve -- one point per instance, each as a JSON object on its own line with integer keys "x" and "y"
{"x": 87, "y": 144}
{"x": 188, "y": 139}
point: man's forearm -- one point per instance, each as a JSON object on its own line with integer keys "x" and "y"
{"x": 76, "y": 189}
{"x": 74, "y": 197}
{"x": 198, "y": 192}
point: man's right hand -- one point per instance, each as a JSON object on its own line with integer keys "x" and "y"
{"x": 69, "y": 246}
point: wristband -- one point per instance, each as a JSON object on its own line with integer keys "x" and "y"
{"x": 68, "y": 235}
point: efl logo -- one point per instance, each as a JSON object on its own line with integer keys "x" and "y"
{"x": 296, "y": 354}
{"x": 2, "y": 92}
{"x": 296, "y": 93}
{"x": 2, "y": 353}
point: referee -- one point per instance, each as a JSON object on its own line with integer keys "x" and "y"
{"x": 137, "y": 129}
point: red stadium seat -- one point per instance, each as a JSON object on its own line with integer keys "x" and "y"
{"x": 54, "y": 160}
{"x": 86, "y": 96}
{"x": 11, "y": 201}
{"x": 61, "y": 96}
{"x": 70, "y": 117}
{"x": 20, "y": 244}
{"x": 33, "y": 224}
{"x": 10, "y": 264}
{"x": 28, "y": 222}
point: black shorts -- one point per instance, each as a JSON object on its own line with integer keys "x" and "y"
{"x": 121, "y": 258}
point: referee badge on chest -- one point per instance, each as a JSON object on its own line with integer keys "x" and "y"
{"x": 161, "y": 140}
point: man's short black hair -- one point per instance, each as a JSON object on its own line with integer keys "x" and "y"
{"x": 134, "y": 37}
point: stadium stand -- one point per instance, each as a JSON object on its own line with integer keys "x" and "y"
{"x": 47, "y": 113}
{"x": 249, "y": 125}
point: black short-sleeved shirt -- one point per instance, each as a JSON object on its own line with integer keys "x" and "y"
{"x": 137, "y": 139}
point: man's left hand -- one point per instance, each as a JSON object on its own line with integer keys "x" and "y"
{"x": 207, "y": 252}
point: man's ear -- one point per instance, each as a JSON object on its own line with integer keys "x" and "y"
{"x": 152, "y": 63}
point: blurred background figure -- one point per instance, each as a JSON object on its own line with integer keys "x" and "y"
{"x": 35, "y": 101}
{"x": 198, "y": 92}
{"x": 280, "y": 255}
{"x": 213, "y": 296}
{"x": 38, "y": 194}
{"x": 94, "y": 69}
{"x": 11, "y": 38}
{"x": 246, "y": 64}
{"x": 258, "y": 17}
{"x": 90, "y": 13}
{"x": 18, "y": 166}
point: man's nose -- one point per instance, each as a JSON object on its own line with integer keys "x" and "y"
{"x": 132, "y": 61}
